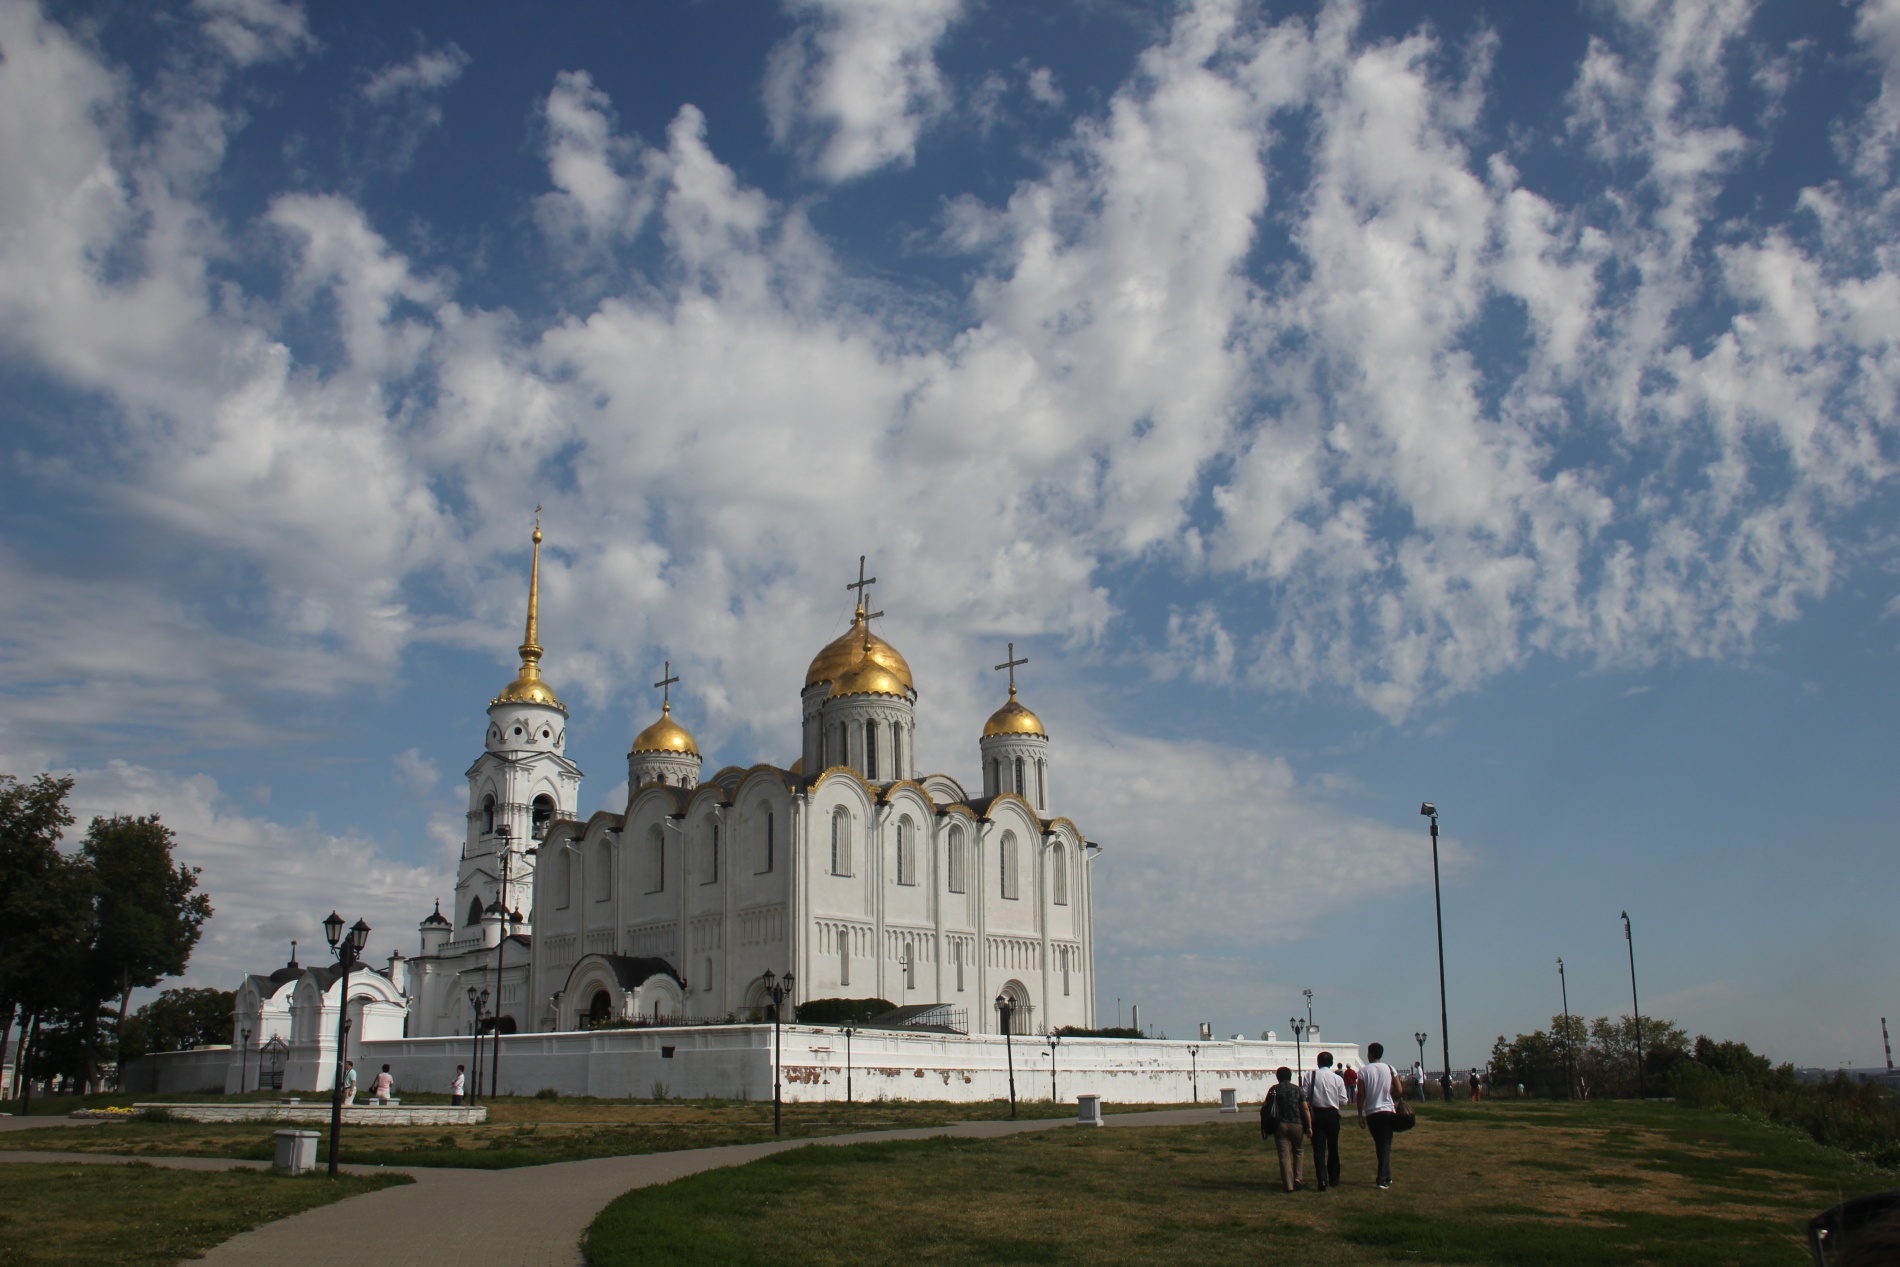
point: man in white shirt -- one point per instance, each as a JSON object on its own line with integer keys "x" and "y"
{"x": 458, "y": 1087}
{"x": 1326, "y": 1095}
{"x": 1378, "y": 1112}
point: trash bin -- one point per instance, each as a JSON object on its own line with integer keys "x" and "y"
{"x": 1229, "y": 1101}
{"x": 296, "y": 1151}
{"x": 1088, "y": 1110}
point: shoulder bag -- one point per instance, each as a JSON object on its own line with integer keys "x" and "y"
{"x": 1407, "y": 1116}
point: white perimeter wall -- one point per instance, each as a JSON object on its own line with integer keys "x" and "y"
{"x": 735, "y": 1062}
{"x": 179, "y": 1072}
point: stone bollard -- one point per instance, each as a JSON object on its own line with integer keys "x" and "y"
{"x": 296, "y": 1151}
{"x": 1088, "y": 1110}
{"x": 1229, "y": 1100}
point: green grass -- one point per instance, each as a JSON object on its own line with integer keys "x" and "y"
{"x": 524, "y": 1131}
{"x": 1504, "y": 1184}
{"x": 143, "y": 1216}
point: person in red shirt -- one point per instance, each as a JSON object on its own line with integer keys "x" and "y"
{"x": 1351, "y": 1077}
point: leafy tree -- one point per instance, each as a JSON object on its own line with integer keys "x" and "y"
{"x": 33, "y": 816}
{"x": 1541, "y": 1061}
{"x": 178, "y": 1020}
{"x": 1610, "y": 1060}
{"x": 146, "y": 916}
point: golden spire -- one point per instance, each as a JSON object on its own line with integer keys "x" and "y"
{"x": 528, "y": 688}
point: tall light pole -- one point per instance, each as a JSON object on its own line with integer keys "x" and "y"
{"x": 348, "y": 952}
{"x": 778, "y": 989}
{"x": 848, "y": 1031}
{"x": 244, "y": 1057}
{"x": 1635, "y": 1007}
{"x": 1055, "y": 1040}
{"x": 477, "y": 1001}
{"x": 1309, "y": 1008}
{"x": 1570, "y": 1073}
{"x": 1438, "y": 909}
{"x": 1194, "y": 1071}
{"x": 1299, "y": 1030}
{"x": 1007, "y": 1011}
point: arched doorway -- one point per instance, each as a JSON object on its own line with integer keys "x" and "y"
{"x": 1022, "y": 1011}
{"x": 600, "y": 1009}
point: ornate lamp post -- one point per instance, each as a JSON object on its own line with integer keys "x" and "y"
{"x": 348, "y": 953}
{"x": 1635, "y": 1007}
{"x": 1570, "y": 1073}
{"x": 1299, "y": 1031}
{"x": 1419, "y": 1037}
{"x": 1438, "y": 910}
{"x": 1309, "y": 1008}
{"x": 477, "y": 1001}
{"x": 848, "y": 1031}
{"x": 1055, "y": 1040}
{"x": 778, "y": 989}
{"x": 1006, "y": 1011}
{"x": 244, "y": 1059}
{"x": 1194, "y": 1071}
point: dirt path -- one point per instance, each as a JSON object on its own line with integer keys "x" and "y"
{"x": 532, "y": 1216}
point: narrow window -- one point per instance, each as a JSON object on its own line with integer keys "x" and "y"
{"x": 1021, "y": 788}
{"x": 768, "y": 840}
{"x": 844, "y": 745}
{"x": 656, "y": 861}
{"x": 824, "y": 747}
{"x": 870, "y": 750}
{"x": 996, "y": 778}
{"x": 1006, "y": 864}
{"x": 488, "y": 815}
{"x": 956, "y": 949}
{"x": 564, "y": 885}
{"x": 955, "y": 867}
{"x": 603, "y": 872}
{"x": 840, "y": 844}
{"x": 844, "y": 956}
{"x": 1059, "y": 874}
{"x": 1042, "y": 785}
{"x": 712, "y": 856}
{"x": 897, "y": 751}
{"x": 1065, "y": 971}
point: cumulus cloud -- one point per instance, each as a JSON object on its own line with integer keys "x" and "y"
{"x": 856, "y": 85}
{"x": 407, "y": 100}
{"x": 252, "y": 31}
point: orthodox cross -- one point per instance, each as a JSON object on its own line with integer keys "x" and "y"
{"x": 1011, "y": 664}
{"x": 665, "y": 685}
{"x": 862, "y": 583}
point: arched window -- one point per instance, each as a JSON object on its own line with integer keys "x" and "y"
{"x": 824, "y": 747}
{"x": 955, "y": 863}
{"x": 840, "y": 843}
{"x": 1022, "y": 789}
{"x": 996, "y": 776}
{"x": 1042, "y": 785}
{"x": 897, "y": 750}
{"x": 564, "y": 879}
{"x": 770, "y": 842}
{"x": 870, "y": 750}
{"x": 656, "y": 860}
{"x": 1059, "y": 874}
{"x": 1006, "y": 864}
{"x": 844, "y": 956}
{"x": 488, "y": 814}
{"x": 474, "y": 911}
{"x": 712, "y": 857}
{"x": 543, "y": 816}
{"x": 906, "y": 852}
{"x": 603, "y": 877}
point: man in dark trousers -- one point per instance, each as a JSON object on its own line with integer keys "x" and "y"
{"x": 1378, "y": 1108}
{"x": 1326, "y": 1095}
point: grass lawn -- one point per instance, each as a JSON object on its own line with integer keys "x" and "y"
{"x": 135, "y": 1215}
{"x": 520, "y": 1132}
{"x": 1497, "y": 1183}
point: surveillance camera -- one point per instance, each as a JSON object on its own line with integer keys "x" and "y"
{"x": 1428, "y": 809}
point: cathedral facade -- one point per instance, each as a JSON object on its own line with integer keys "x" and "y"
{"x": 848, "y": 870}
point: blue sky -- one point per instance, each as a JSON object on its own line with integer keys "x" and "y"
{"x": 1342, "y": 405}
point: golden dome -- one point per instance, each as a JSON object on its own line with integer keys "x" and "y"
{"x": 1013, "y": 719}
{"x": 868, "y": 677}
{"x": 843, "y": 653}
{"x": 666, "y": 735}
{"x": 528, "y": 688}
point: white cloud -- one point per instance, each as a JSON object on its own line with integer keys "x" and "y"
{"x": 856, "y": 85}
{"x": 416, "y": 772}
{"x": 252, "y": 31}
{"x": 427, "y": 73}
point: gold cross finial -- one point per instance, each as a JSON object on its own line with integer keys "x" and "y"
{"x": 665, "y": 686}
{"x": 1010, "y": 663}
{"x": 861, "y": 584}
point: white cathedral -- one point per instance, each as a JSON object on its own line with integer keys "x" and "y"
{"x": 847, "y": 870}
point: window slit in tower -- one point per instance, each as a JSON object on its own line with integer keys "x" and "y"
{"x": 870, "y": 750}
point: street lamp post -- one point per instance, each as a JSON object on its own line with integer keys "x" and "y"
{"x": 349, "y": 950}
{"x": 244, "y": 1059}
{"x": 1419, "y": 1037}
{"x": 1007, "y": 1011}
{"x": 477, "y": 1001}
{"x": 1635, "y": 1007}
{"x": 1309, "y": 1008}
{"x": 848, "y": 1032}
{"x": 1299, "y": 1030}
{"x": 778, "y": 989}
{"x": 1055, "y": 1039}
{"x": 1194, "y": 1071}
{"x": 1570, "y": 1072}
{"x": 1438, "y": 910}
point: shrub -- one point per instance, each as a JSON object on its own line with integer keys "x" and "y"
{"x": 1841, "y": 1113}
{"x": 547, "y": 1093}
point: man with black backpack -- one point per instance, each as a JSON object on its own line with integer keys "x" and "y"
{"x": 1285, "y": 1119}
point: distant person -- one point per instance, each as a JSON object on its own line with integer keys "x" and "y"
{"x": 1418, "y": 1078}
{"x": 1477, "y": 1086}
{"x": 383, "y": 1085}
{"x": 1284, "y": 1120}
{"x": 1351, "y": 1078}
{"x": 459, "y": 1087}
{"x": 1326, "y": 1095}
{"x": 349, "y": 1082}
{"x": 1378, "y": 1110}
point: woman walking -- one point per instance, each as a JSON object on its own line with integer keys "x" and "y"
{"x": 1287, "y": 1121}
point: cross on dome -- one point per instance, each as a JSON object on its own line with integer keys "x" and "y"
{"x": 1010, "y": 662}
{"x": 665, "y": 685}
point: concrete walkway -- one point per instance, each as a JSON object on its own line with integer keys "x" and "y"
{"x": 531, "y": 1216}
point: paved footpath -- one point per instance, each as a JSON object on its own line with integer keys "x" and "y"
{"x": 531, "y": 1216}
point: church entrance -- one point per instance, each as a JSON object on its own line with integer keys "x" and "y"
{"x": 600, "y": 1009}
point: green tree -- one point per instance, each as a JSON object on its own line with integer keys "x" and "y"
{"x": 33, "y": 817}
{"x": 147, "y": 917}
{"x": 178, "y": 1020}
{"x": 1610, "y": 1059}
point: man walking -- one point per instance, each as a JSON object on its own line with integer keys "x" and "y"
{"x": 1378, "y": 1111}
{"x": 458, "y": 1087}
{"x": 349, "y": 1082}
{"x": 1284, "y": 1119}
{"x": 1325, "y": 1097}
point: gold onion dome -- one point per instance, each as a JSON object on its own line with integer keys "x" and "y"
{"x": 528, "y": 688}
{"x": 666, "y": 735}
{"x": 1013, "y": 719}
{"x": 868, "y": 677}
{"x": 844, "y": 653}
